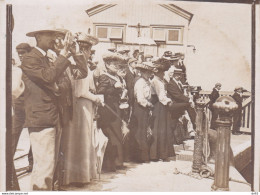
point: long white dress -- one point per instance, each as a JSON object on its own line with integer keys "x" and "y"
{"x": 80, "y": 156}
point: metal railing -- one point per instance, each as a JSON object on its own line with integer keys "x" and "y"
{"x": 246, "y": 121}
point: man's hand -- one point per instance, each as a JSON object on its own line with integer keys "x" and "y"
{"x": 74, "y": 49}
{"x": 67, "y": 42}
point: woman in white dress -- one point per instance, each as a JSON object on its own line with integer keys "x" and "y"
{"x": 80, "y": 156}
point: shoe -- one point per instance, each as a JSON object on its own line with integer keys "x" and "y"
{"x": 236, "y": 133}
{"x": 166, "y": 160}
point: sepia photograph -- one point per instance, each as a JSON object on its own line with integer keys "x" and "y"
{"x": 129, "y": 96}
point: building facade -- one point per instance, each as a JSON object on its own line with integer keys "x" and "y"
{"x": 150, "y": 26}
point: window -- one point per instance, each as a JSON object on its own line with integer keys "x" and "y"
{"x": 116, "y": 33}
{"x": 158, "y": 34}
{"x": 172, "y": 35}
{"x": 102, "y": 32}
{"x": 108, "y": 33}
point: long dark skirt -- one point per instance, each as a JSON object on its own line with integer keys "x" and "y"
{"x": 139, "y": 124}
{"x": 162, "y": 147}
{"x": 114, "y": 151}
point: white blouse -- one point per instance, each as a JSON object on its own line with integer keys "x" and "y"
{"x": 85, "y": 87}
{"x": 160, "y": 91}
{"x": 142, "y": 91}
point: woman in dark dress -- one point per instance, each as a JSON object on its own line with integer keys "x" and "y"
{"x": 111, "y": 86}
{"x": 162, "y": 147}
{"x": 140, "y": 120}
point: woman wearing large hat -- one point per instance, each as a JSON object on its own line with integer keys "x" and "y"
{"x": 79, "y": 151}
{"x": 162, "y": 147}
{"x": 140, "y": 120}
{"x": 111, "y": 85}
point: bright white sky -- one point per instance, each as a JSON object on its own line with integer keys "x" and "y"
{"x": 220, "y": 32}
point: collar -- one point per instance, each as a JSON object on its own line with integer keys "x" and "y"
{"x": 177, "y": 82}
{"x": 131, "y": 70}
{"x": 167, "y": 78}
{"x": 216, "y": 89}
{"x": 40, "y": 50}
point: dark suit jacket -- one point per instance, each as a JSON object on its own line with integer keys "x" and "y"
{"x": 213, "y": 97}
{"x": 130, "y": 83}
{"x": 238, "y": 100}
{"x": 40, "y": 94}
{"x": 175, "y": 93}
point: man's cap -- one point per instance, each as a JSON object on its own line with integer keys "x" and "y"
{"x": 84, "y": 38}
{"x": 24, "y": 46}
{"x": 177, "y": 71}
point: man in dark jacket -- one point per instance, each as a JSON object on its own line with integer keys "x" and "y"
{"x": 213, "y": 97}
{"x": 180, "y": 101}
{"x": 237, "y": 116}
{"x": 19, "y": 116}
{"x": 41, "y": 103}
{"x": 130, "y": 83}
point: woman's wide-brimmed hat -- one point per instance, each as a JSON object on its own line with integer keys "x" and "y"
{"x": 146, "y": 66}
{"x": 162, "y": 64}
{"x": 115, "y": 57}
{"x": 54, "y": 31}
{"x": 88, "y": 39}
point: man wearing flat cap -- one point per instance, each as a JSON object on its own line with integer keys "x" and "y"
{"x": 237, "y": 115}
{"x": 213, "y": 97}
{"x": 41, "y": 103}
{"x": 18, "y": 106}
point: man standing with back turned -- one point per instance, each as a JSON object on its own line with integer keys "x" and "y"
{"x": 41, "y": 106}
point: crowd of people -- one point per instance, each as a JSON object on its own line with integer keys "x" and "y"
{"x": 142, "y": 106}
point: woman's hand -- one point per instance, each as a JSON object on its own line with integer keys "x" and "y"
{"x": 118, "y": 85}
{"x": 98, "y": 101}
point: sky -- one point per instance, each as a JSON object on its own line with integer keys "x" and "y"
{"x": 221, "y": 34}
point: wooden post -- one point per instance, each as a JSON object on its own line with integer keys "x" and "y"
{"x": 225, "y": 106}
{"x": 198, "y": 140}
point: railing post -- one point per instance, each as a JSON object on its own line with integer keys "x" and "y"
{"x": 198, "y": 140}
{"x": 225, "y": 106}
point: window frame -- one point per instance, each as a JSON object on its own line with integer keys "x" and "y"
{"x": 109, "y": 28}
{"x": 153, "y": 29}
{"x": 166, "y": 29}
{"x": 180, "y": 36}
